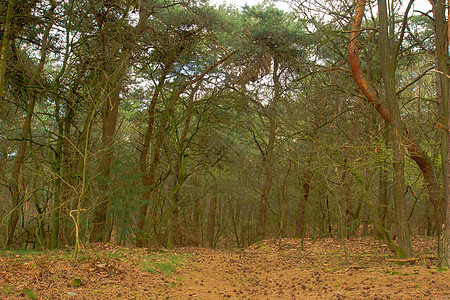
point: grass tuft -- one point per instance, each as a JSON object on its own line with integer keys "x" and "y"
{"x": 166, "y": 265}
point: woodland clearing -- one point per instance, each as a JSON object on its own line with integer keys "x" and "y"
{"x": 271, "y": 269}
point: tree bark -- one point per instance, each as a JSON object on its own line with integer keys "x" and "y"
{"x": 267, "y": 155}
{"x": 301, "y": 209}
{"x": 196, "y": 209}
{"x": 180, "y": 174}
{"x": 179, "y": 180}
{"x": 446, "y": 246}
{"x": 110, "y": 99}
{"x": 387, "y": 68}
{"x": 58, "y": 179}
{"x": 413, "y": 149}
{"x": 16, "y": 196}
{"x": 384, "y": 194}
{"x": 4, "y": 49}
{"x": 148, "y": 174}
{"x": 109, "y": 121}
{"x": 349, "y": 216}
{"x": 445, "y": 257}
{"x": 267, "y": 185}
{"x": 442, "y": 39}
{"x": 212, "y": 201}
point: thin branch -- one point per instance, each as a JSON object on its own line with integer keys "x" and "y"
{"x": 442, "y": 73}
{"x": 414, "y": 81}
{"x": 362, "y": 29}
{"x": 402, "y": 34}
{"x": 259, "y": 146}
{"x": 322, "y": 71}
{"x": 441, "y": 126}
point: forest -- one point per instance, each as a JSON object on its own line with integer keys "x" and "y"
{"x": 173, "y": 123}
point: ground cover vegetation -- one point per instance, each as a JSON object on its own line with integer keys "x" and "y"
{"x": 270, "y": 269}
{"x": 169, "y": 124}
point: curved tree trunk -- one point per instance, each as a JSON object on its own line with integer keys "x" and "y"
{"x": 414, "y": 151}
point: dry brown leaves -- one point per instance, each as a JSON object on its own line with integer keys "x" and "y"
{"x": 271, "y": 269}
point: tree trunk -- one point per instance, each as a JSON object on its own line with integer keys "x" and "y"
{"x": 148, "y": 173}
{"x": 301, "y": 210}
{"x": 16, "y": 182}
{"x": 212, "y": 203}
{"x": 414, "y": 151}
{"x": 366, "y": 213}
{"x": 442, "y": 38}
{"x": 349, "y": 216}
{"x": 149, "y": 176}
{"x": 4, "y": 49}
{"x": 445, "y": 257}
{"x": 446, "y": 243}
{"x": 58, "y": 165}
{"x": 387, "y": 68}
{"x": 171, "y": 212}
{"x": 109, "y": 97}
{"x": 196, "y": 210}
{"x": 58, "y": 179}
{"x": 26, "y": 129}
{"x": 148, "y": 179}
{"x": 100, "y": 223}
{"x": 267, "y": 155}
{"x": 264, "y": 200}
{"x": 384, "y": 194}
{"x": 179, "y": 172}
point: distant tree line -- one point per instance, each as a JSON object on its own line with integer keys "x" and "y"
{"x": 161, "y": 124}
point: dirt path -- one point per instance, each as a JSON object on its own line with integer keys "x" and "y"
{"x": 267, "y": 270}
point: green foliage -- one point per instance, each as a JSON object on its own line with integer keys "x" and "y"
{"x": 25, "y": 254}
{"x": 30, "y": 294}
{"x": 164, "y": 264}
{"x": 275, "y": 29}
{"x": 323, "y": 127}
{"x": 77, "y": 282}
{"x": 264, "y": 248}
{"x": 115, "y": 254}
{"x": 6, "y": 290}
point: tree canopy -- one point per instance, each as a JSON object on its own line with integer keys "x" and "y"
{"x": 170, "y": 123}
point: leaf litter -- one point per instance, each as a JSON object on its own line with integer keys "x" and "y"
{"x": 271, "y": 269}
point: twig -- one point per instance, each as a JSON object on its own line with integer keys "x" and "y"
{"x": 442, "y": 126}
{"x": 403, "y": 260}
{"x": 440, "y": 72}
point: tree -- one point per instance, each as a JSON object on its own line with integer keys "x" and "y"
{"x": 442, "y": 40}
{"x": 279, "y": 45}
{"x": 110, "y": 108}
{"x": 177, "y": 44}
{"x": 413, "y": 148}
{"x": 5, "y": 44}
{"x": 388, "y": 58}
{"x": 32, "y": 97}
{"x": 116, "y": 59}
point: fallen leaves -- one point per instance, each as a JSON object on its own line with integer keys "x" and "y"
{"x": 271, "y": 269}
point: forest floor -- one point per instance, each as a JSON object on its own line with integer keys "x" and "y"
{"x": 272, "y": 269}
